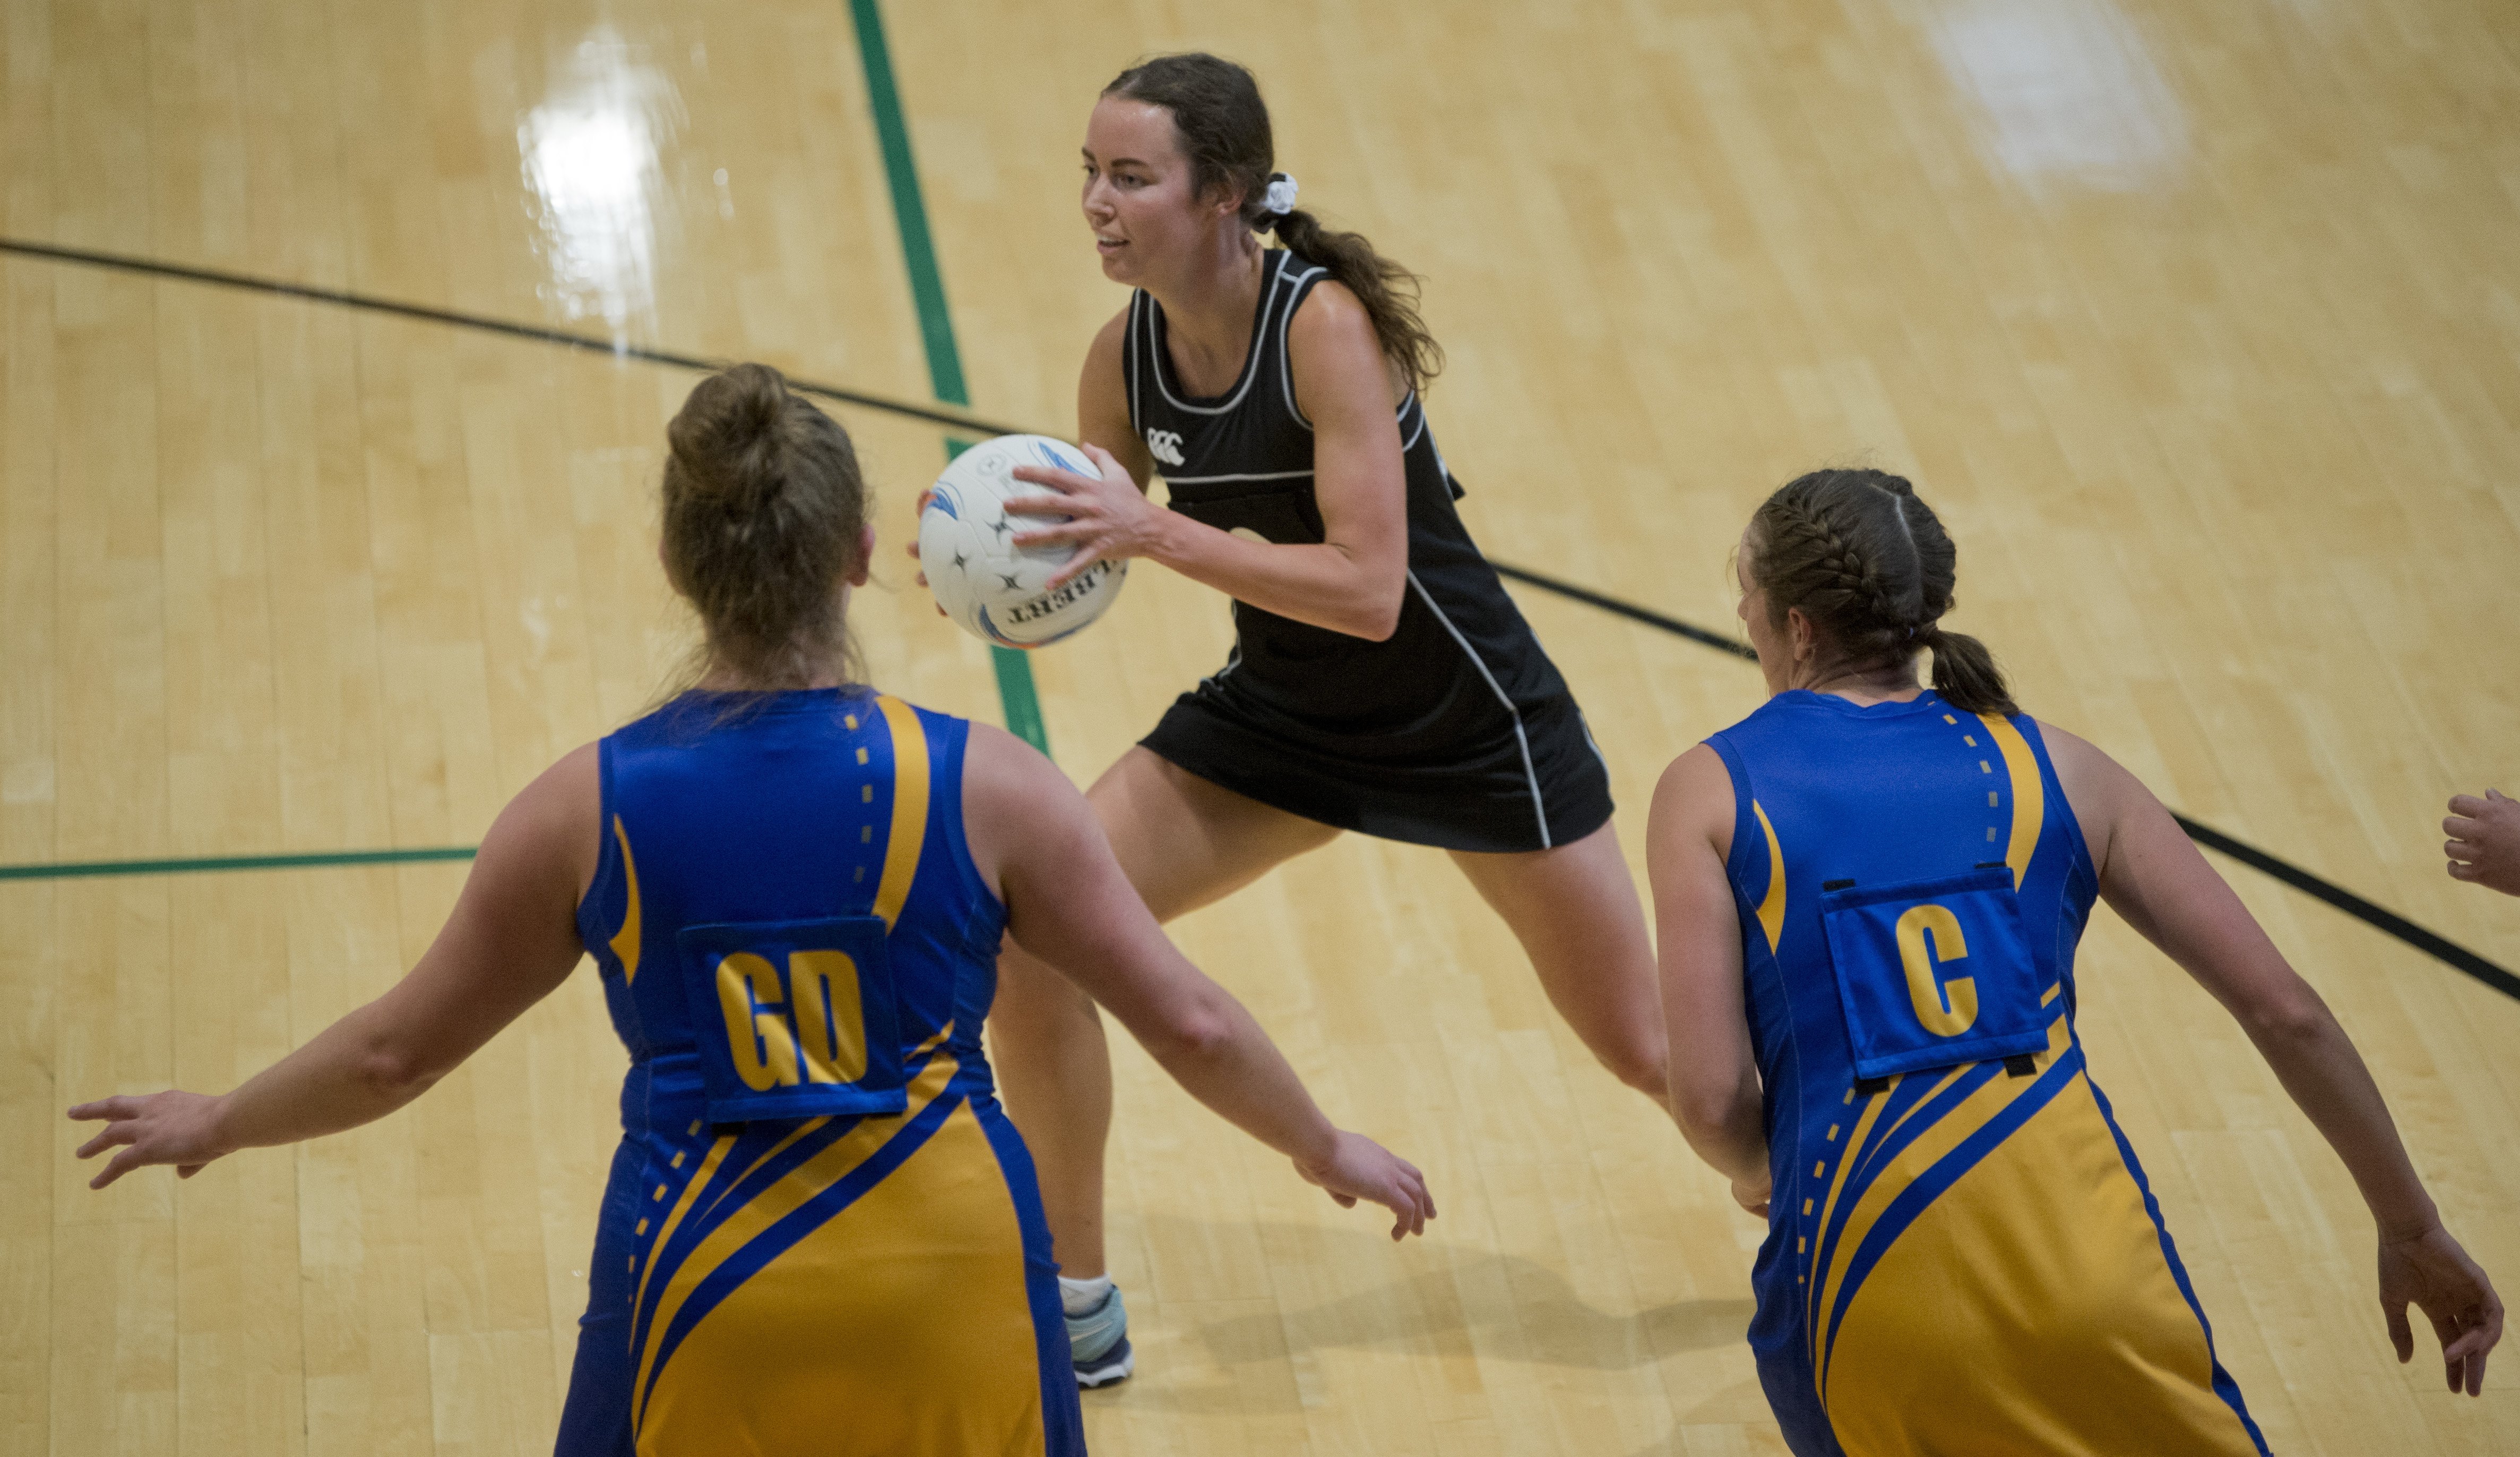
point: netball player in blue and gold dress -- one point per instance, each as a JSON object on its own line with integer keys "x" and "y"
{"x": 1869, "y": 895}
{"x": 821, "y": 1235}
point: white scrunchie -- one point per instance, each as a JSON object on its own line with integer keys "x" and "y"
{"x": 1281, "y": 199}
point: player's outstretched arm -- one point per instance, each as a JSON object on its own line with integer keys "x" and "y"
{"x": 1715, "y": 1094}
{"x": 1069, "y": 904}
{"x": 2153, "y": 875}
{"x": 510, "y": 938}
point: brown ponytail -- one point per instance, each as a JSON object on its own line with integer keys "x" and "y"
{"x": 764, "y": 507}
{"x": 1869, "y": 562}
{"x": 1388, "y": 292}
{"x": 1223, "y": 130}
{"x": 1965, "y": 672}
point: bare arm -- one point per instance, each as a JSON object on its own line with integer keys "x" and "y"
{"x": 1350, "y": 582}
{"x": 509, "y": 941}
{"x": 1103, "y": 402}
{"x": 1069, "y": 904}
{"x": 1715, "y": 1093}
{"x": 2154, "y": 876}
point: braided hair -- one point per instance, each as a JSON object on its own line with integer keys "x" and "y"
{"x": 1869, "y": 562}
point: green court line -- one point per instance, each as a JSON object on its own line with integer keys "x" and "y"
{"x": 1016, "y": 695}
{"x": 1015, "y": 672}
{"x": 78, "y": 870}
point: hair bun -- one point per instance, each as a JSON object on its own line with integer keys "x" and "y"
{"x": 726, "y": 434}
{"x": 765, "y": 519}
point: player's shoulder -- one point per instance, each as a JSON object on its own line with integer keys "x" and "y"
{"x": 1694, "y": 797}
{"x": 1698, "y": 773}
{"x": 552, "y": 829}
{"x": 1112, "y": 340}
{"x": 2077, "y": 760}
{"x": 1001, "y": 773}
{"x": 573, "y": 785}
{"x": 1329, "y": 313}
{"x": 1106, "y": 361}
{"x": 2100, "y": 791}
{"x": 1333, "y": 352}
{"x": 1017, "y": 806}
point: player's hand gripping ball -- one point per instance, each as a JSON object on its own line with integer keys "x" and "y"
{"x": 997, "y": 591}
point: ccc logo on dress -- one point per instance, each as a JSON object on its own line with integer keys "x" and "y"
{"x": 1164, "y": 446}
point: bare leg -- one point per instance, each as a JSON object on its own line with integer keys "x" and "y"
{"x": 1575, "y": 911}
{"x": 1183, "y": 841}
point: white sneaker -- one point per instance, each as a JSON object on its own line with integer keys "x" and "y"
{"x": 1099, "y": 1343}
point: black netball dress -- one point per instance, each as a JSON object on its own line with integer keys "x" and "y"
{"x": 1457, "y": 731}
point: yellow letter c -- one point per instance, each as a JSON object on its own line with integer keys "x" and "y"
{"x": 1946, "y": 1008}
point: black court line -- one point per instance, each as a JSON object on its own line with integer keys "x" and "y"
{"x": 2448, "y": 952}
{"x": 2440, "y": 948}
{"x": 1630, "y": 610}
{"x": 427, "y": 315}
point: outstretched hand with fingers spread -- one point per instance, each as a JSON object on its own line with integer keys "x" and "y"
{"x": 169, "y": 1128}
{"x": 2485, "y": 840}
{"x": 2432, "y": 1272}
{"x": 1359, "y": 1167}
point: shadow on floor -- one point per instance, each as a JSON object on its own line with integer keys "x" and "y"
{"x": 1454, "y": 1305}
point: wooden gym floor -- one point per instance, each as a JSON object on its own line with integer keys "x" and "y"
{"x": 2201, "y": 325}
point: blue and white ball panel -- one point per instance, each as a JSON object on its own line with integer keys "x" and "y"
{"x": 995, "y": 591}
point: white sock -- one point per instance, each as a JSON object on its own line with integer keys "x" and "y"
{"x": 1076, "y": 1297}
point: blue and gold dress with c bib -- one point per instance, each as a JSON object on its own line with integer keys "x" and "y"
{"x": 1962, "y": 1254}
{"x": 822, "y": 1235}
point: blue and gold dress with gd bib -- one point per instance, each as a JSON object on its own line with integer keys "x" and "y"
{"x": 821, "y": 1235}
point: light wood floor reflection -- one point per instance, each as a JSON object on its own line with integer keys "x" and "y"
{"x": 2199, "y": 324}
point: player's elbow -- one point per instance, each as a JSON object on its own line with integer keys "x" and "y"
{"x": 1712, "y": 1109}
{"x": 1701, "y": 1120}
{"x": 2279, "y": 1011}
{"x": 1195, "y": 1026}
{"x": 2293, "y": 1017}
{"x": 397, "y": 1069}
{"x": 1376, "y": 620}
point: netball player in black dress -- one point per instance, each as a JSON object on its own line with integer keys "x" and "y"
{"x": 1381, "y": 680}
